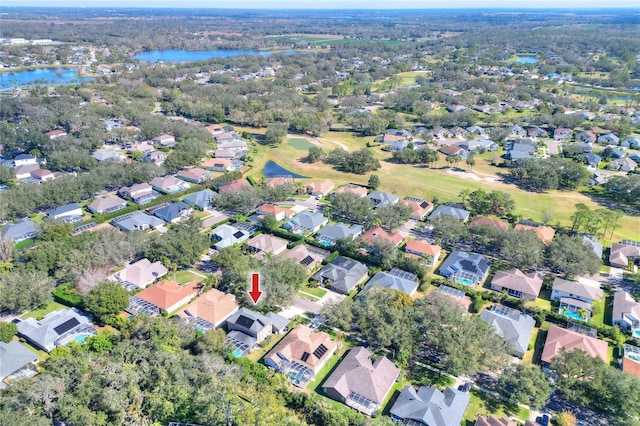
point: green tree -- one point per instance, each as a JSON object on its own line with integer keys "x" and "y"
{"x": 275, "y": 133}
{"x": 522, "y": 248}
{"x": 374, "y": 182}
{"x": 527, "y": 384}
{"x": 281, "y": 278}
{"x": 449, "y": 229}
{"x": 572, "y": 256}
{"x": 7, "y": 331}
{"x": 106, "y": 300}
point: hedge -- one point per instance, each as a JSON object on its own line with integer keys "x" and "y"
{"x": 64, "y": 294}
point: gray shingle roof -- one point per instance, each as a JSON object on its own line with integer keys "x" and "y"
{"x": 513, "y": 326}
{"x": 430, "y": 406}
{"x": 382, "y": 199}
{"x": 19, "y": 231}
{"x": 460, "y": 214}
{"x": 471, "y": 264}
{"x": 307, "y": 220}
{"x": 63, "y": 209}
{"x": 339, "y": 230}
{"x": 344, "y": 273}
{"x": 136, "y": 221}
{"x": 201, "y": 199}
{"x": 45, "y": 332}
{"x": 13, "y": 357}
{"x": 248, "y": 320}
{"x": 396, "y": 280}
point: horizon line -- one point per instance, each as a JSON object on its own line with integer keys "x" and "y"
{"x": 554, "y": 8}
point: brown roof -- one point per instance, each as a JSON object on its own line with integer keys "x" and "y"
{"x": 211, "y": 163}
{"x": 423, "y": 247}
{"x": 558, "y": 338}
{"x": 354, "y": 189}
{"x": 165, "y": 294}
{"x": 450, "y": 150}
{"x": 272, "y": 209}
{"x": 544, "y": 233}
{"x": 267, "y": 243}
{"x": 489, "y": 222}
{"x": 280, "y": 180}
{"x": 494, "y": 421}
{"x": 195, "y": 173}
{"x": 320, "y": 187}
{"x": 300, "y": 341}
{"x": 620, "y": 254}
{"x": 213, "y": 306}
{"x": 515, "y": 279}
{"x": 418, "y": 208}
{"x": 378, "y": 232}
{"x": 630, "y": 366}
{"x": 392, "y": 138}
{"x": 233, "y": 185}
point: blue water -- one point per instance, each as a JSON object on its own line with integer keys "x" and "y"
{"x": 636, "y": 333}
{"x": 574, "y": 315}
{"x": 527, "y": 59}
{"x": 272, "y": 169}
{"x": 81, "y": 338}
{"x": 237, "y": 353}
{"x": 464, "y": 281}
{"x": 40, "y": 77}
{"x": 195, "y": 55}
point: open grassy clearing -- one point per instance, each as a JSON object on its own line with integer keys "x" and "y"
{"x": 299, "y": 143}
{"x": 184, "y": 277}
{"x": 41, "y": 312}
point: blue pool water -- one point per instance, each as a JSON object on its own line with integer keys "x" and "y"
{"x": 464, "y": 281}
{"x": 40, "y": 77}
{"x": 178, "y": 55}
{"x": 81, "y": 338}
{"x": 237, "y": 353}
{"x": 272, "y": 169}
{"x": 574, "y": 315}
{"x": 527, "y": 59}
{"x": 636, "y": 333}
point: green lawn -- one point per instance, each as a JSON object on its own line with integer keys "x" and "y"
{"x": 41, "y": 312}
{"x": 265, "y": 346}
{"x": 316, "y": 291}
{"x": 598, "y": 311}
{"x": 543, "y": 301}
{"x": 184, "y": 277}
{"x": 485, "y": 404}
{"x": 299, "y": 143}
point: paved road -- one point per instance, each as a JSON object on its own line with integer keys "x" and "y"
{"x": 306, "y": 305}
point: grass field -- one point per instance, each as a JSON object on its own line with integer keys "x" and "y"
{"x": 485, "y": 404}
{"x": 41, "y": 312}
{"x": 184, "y": 277}
{"x": 299, "y": 143}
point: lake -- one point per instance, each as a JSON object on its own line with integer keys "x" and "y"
{"x": 527, "y": 59}
{"x": 272, "y": 169}
{"x": 40, "y": 77}
{"x": 196, "y": 55}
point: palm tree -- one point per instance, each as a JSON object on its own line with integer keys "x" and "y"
{"x": 471, "y": 162}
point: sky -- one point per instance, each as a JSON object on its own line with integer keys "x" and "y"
{"x": 335, "y": 4}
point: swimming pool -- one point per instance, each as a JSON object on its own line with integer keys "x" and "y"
{"x": 465, "y": 281}
{"x": 574, "y": 315}
{"x": 82, "y": 338}
{"x": 237, "y": 353}
{"x": 636, "y": 333}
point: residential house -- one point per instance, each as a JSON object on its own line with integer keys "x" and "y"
{"x": 478, "y": 144}
{"x": 173, "y": 212}
{"x": 221, "y": 164}
{"x": 543, "y": 232}
{"x": 621, "y": 254}
{"x": 231, "y": 154}
{"x": 635, "y": 157}
{"x": 169, "y": 184}
{"x": 361, "y": 383}
{"x": 155, "y": 157}
{"x": 570, "y": 289}
{"x": 518, "y": 284}
{"x": 25, "y": 160}
{"x": 306, "y": 221}
{"x": 107, "y": 204}
{"x": 110, "y": 125}
{"x": 458, "y": 296}
{"x": 465, "y": 268}
{"x": 592, "y": 160}
{"x": 234, "y": 185}
{"x": 263, "y": 244}
{"x": 593, "y": 243}
{"x": 561, "y": 134}
{"x": 142, "y": 273}
{"x": 609, "y": 139}
{"x": 227, "y": 235}
{"x": 248, "y": 328}
{"x": 108, "y": 154}
{"x": 139, "y": 193}
{"x": 586, "y": 137}
{"x": 477, "y": 130}
{"x": 136, "y": 221}
{"x": 623, "y": 164}
{"x": 562, "y": 338}
{"x": 419, "y": 207}
{"x": 16, "y": 361}
{"x": 485, "y": 221}
{"x": 429, "y": 407}
{"x": 202, "y": 200}
{"x": 451, "y": 150}
{"x": 626, "y": 311}
{"x": 164, "y": 140}
{"x": 22, "y": 230}
{"x": 24, "y": 172}
{"x": 301, "y": 354}
{"x": 55, "y": 329}
{"x": 383, "y": 199}
{"x": 342, "y": 274}
{"x": 69, "y": 212}
{"x": 633, "y": 142}
{"x": 586, "y": 148}
{"x": 617, "y": 153}
{"x": 279, "y": 180}
{"x": 459, "y": 132}
{"x": 423, "y": 251}
{"x": 378, "y": 233}
{"x": 521, "y": 149}
{"x": 308, "y": 256}
{"x": 517, "y": 131}
{"x": 143, "y": 147}
{"x": 332, "y": 233}
{"x": 631, "y": 360}
{"x": 320, "y": 189}
{"x": 42, "y": 175}
{"x": 194, "y": 174}
{"x": 360, "y": 191}
{"x": 166, "y": 296}
{"x": 55, "y": 134}
{"x": 455, "y": 212}
{"x": 215, "y": 129}
{"x": 537, "y": 132}
{"x": 512, "y": 325}
{"x": 235, "y": 144}
{"x": 272, "y": 210}
{"x": 396, "y": 279}
{"x": 584, "y": 114}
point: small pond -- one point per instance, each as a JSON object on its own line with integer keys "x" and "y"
{"x": 272, "y": 169}
{"x": 527, "y": 59}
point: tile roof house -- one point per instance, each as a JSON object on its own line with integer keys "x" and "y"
{"x": 174, "y": 212}
{"x": 56, "y": 329}
{"x": 360, "y": 191}
{"x": 465, "y": 268}
{"x": 42, "y": 175}
{"x": 626, "y": 311}
{"x": 306, "y": 221}
{"x": 621, "y": 254}
{"x": 361, "y": 383}
{"x": 561, "y": 338}
{"x": 382, "y": 199}
{"x": 66, "y": 211}
{"x": 456, "y": 295}
{"x": 378, "y": 233}
{"x": 562, "y": 134}
{"x": 271, "y": 209}
{"x": 279, "y": 180}
{"x": 537, "y": 132}
{"x": 220, "y": 164}
{"x": 141, "y": 273}
{"x": 168, "y": 296}
{"x": 308, "y": 256}
{"x": 137, "y": 221}
{"x": 586, "y": 136}
{"x": 227, "y": 235}
{"x": 248, "y": 328}
{"x": 332, "y": 233}
{"x": 107, "y": 204}
{"x": 24, "y": 172}
{"x": 263, "y": 244}
{"x": 55, "y": 134}
{"x": 194, "y": 174}
{"x": 421, "y": 249}
{"x": 512, "y": 325}
{"x": 429, "y": 407}
{"x": 396, "y": 279}
{"x": 169, "y": 184}
{"x": 139, "y": 193}
{"x": 574, "y": 290}
{"x": 234, "y": 185}
{"x": 210, "y": 310}
{"x": 631, "y": 360}
{"x": 419, "y": 207}
{"x": 342, "y": 274}
{"x": 455, "y": 212}
{"x": 22, "y": 230}
{"x": 16, "y": 360}
{"x": 517, "y": 284}
{"x": 543, "y": 232}
{"x": 202, "y": 200}
{"x": 320, "y": 188}
{"x": 485, "y": 221}
{"x": 301, "y": 354}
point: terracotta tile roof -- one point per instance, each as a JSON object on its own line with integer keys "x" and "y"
{"x": 631, "y": 367}
{"x": 280, "y": 180}
{"x": 419, "y": 208}
{"x": 354, "y": 189}
{"x": 424, "y": 247}
{"x": 558, "y": 338}
{"x": 213, "y": 306}
{"x": 378, "y": 232}
{"x": 320, "y": 187}
{"x": 494, "y": 421}
{"x": 233, "y": 185}
{"x": 165, "y": 294}
{"x": 544, "y": 233}
{"x": 300, "y": 341}
{"x": 489, "y": 222}
{"x": 516, "y": 280}
{"x": 270, "y": 209}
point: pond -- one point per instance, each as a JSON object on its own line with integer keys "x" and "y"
{"x": 40, "y": 77}
{"x": 177, "y": 55}
{"x": 272, "y": 169}
{"x": 527, "y": 59}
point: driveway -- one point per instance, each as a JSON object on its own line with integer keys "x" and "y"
{"x": 212, "y": 220}
{"x": 306, "y": 305}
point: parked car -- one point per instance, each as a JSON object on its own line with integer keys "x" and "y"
{"x": 465, "y": 387}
